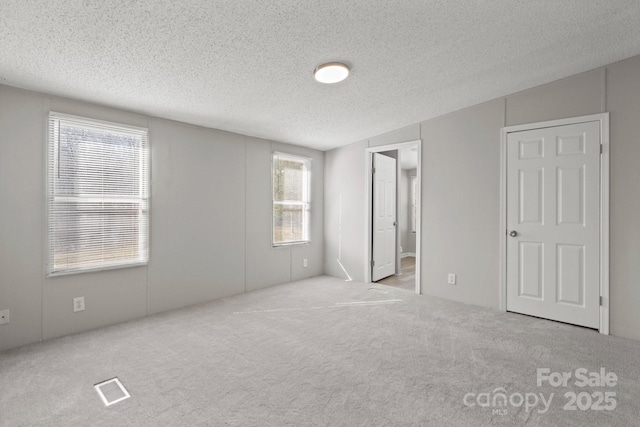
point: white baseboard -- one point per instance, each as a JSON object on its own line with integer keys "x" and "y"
{"x": 406, "y": 254}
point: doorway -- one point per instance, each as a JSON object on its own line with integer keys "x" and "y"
{"x": 555, "y": 218}
{"x": 393, "y": 215}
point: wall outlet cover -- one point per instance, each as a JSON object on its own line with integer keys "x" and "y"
{"x": 78, "y": 304}
{"x": 452, "y": 279}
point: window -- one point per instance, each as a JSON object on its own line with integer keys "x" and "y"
{"x": 97, "y": 195}
{"x": 291, "y": 182}
{"x": 414, "y": 204}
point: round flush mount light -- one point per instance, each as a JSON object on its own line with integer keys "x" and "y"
{"x": 331, "y": 72}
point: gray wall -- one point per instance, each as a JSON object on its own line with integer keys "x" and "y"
{"x": 210, "y": 223}
{"x": 461, "y": 182}
{"x": 344, "y": 218}
{"x": 408, "y": 239}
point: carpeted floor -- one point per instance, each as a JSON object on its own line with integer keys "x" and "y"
{"x": 320, "y": 352}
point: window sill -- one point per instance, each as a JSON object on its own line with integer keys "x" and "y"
{"x": 95, "y": 270}
{"x": 289, "y": 244}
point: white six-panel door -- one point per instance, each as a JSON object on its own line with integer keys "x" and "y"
{"x": 553, "y": 220}
{"x": 384, "y": 217}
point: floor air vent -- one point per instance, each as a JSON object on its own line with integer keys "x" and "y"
{"x": 112, "y": 391}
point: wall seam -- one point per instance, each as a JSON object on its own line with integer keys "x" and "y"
{"x": 246, "y": 172}
{"x": 504, "y": 115}
{"x": 149, "y": 219}
{"x": 46, "y": 105}
{"x": 603, "y": 90}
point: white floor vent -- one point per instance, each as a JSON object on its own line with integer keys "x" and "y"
{"x": 111, "y": 391}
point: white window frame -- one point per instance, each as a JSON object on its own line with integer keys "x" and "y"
{"x": 305, "y": 203}
{"x": 52, "y": 171}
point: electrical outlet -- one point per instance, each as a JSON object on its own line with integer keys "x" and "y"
{"x": 452, "y": 279}
{"x": 305, "y": 263}
{"x": 4, "y": 316}
{"x": 78, "y": 304}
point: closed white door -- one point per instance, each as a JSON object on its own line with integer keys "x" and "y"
{"x": 384, "y": 217}
{"x": 553, "y": 217}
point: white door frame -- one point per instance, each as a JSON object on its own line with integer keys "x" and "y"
{"x": 368, "y": 211}
{"x": 603, "y": 118}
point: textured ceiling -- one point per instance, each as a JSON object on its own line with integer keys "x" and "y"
{"x": 246, "y": 65}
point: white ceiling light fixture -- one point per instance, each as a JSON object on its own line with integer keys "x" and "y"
{"x": 331, "y": 72}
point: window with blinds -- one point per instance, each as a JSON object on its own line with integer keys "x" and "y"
{"x": 97, "y": 195}
{"x": 291, "y": 199}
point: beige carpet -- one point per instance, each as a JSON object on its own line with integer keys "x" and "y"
{"x": 320, "y": 352}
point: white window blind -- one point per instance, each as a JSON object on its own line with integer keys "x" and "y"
{"x": 97, "y": 195}
{"x": 291, "y": 199}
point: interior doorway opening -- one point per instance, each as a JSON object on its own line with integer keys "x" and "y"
{"x": 393, "y": 215}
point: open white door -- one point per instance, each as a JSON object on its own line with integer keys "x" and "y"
{"x": 384, "y": 217}
{"x": 553, "y": 222}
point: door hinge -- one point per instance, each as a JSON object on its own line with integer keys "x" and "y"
{"x": 373, "y": 170}
{"x": 601, "y": 149}
{"x": 373, "y": 263}
{"x": 601, "y": 301}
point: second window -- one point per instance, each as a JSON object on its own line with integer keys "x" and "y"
{"x": 291, "y": 177}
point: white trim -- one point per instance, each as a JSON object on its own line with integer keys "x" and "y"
{"x": 604, "y": 223}
{"x": 292, "y": 156}
{"x": 307, "y": 204}
{"x": 502, "y": 273}
{"x": 554, "y": 123}
{"x": 69, "y": 271}
{"x": 367, "y": 205}
{"x": 603, "y": 118}
{"x": 398, "y": 234}
{"x": 407, "y": 254}
{"x": 101, "y": 124}
{"x": 102, "y": 396}
{"x": 143, "y": 199}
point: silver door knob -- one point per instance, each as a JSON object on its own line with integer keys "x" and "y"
{"x": 513, "y": 233}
